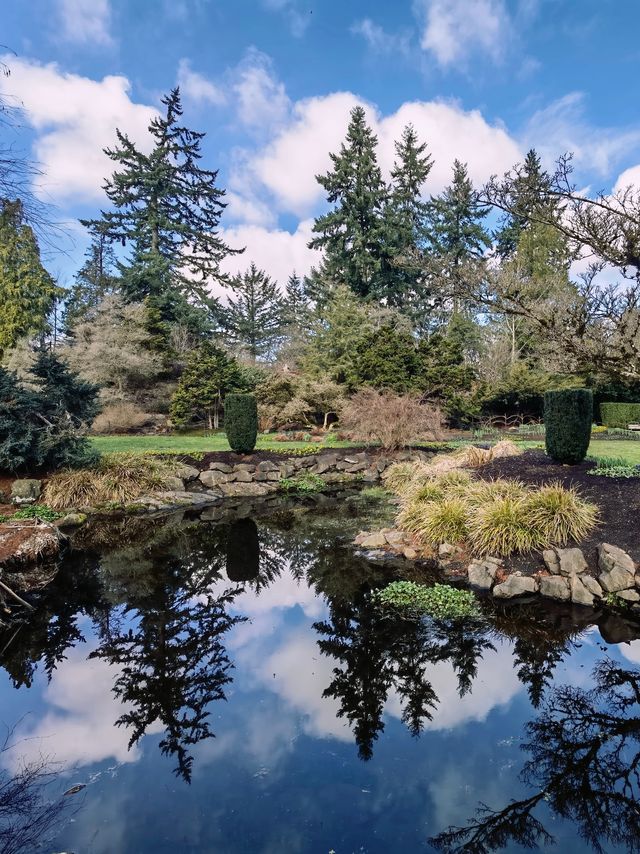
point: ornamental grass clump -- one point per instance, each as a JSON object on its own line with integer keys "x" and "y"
{"x": 436, "y": 522}
{"x": 503, "y": 527}
{"x": 559, "y": 514}
{"x": 439, "y": 601}
{"x": 398, "y": 476}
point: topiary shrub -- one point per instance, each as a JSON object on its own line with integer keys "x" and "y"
{"x": 241, "y": 422}
{"x": 568, "y": 415}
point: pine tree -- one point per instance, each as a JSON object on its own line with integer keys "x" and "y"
{"x": 297, "y": 310}
{"x": 209, "y": 374}
{"x": 255, "y": 315}
{"x": 94, "y": 281}
{"x": 352, "y": 234}
{"x": 27, "y": 291}
{"x": 167, "y": 210}
{"x": 457, "y": 236}
{"x": 405, "y": 220}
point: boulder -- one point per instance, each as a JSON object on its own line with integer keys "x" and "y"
{"x": 610, "y": 557}
{"x": 173, "y": 484}
{"x": 287, "y": 469}
{"x": 249, "y": 489}
{"x": 515, "y": 585}
{"x": 25, "y": 491}
{"x": 482, "y": 574}
{"x": 267, "y": 465}
{"x": 220, "y": 467}
{"x": 572, "y": 562}
{"x": 395, "y": 538}
{"x": 214, "y": 477}
{"x": 187, "y": 473}
{"x": 629, "y": 595}
{"x": 555, "y": 587}
{"x": 580, "y": 593}
{"x": 616, "y": 579}
{"x": 243, "y": 476}
{"x": 446, "y": 550}
{"x": 71, "y": 520}
{"x": 410, "y": 553}
{"x": 29, "y": 542}
{"x": 325, "y": 462}
{"x": 374, "y": 541}
{"x": 551, "y": 561}
{"x": 592, "y": 586}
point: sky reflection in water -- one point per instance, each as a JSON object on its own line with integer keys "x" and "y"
{"x": 228, "y": 687}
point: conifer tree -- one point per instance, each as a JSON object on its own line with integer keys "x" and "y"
{"x": 255, "y": 314}
{"x": 94, "y": 281}
{"x": 209, "y": 374}
{"x": 166, "y": 210}
{"x": 297, "y": 310}
{"x": 27, "y": 291}
{"x": 352, "y": 233}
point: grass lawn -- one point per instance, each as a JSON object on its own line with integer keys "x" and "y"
{"x": 624, "y": 449}
{"x": 193, "y": 444}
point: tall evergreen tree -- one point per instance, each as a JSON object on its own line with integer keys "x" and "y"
{"x": 167, "y": 210}
{"x": 94, "y": 281}
{"x": 352, "y": 234}
{"x": 209, "y": 374}
{"x": 297, "y": 306}
{"x": 457, "y": 235}
{"x": 255, "y": 314}
{"x": 27, "y": 291}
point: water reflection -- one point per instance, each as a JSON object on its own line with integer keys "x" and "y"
{"x": 148, "y": 627}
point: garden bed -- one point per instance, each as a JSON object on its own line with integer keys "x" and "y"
{"x": 618, "y": 499}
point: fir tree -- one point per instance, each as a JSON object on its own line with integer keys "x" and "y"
{"x": 27, "y": 291}
{"x": 94, "y": 281}
{"x": 297, "y": 309}
{"x": 209, "y": 374}
{"x": 167, "y": 210}
{"x": 457, "y": 236}
{"x": 256, "y": 313}
{"x": 352, "y": 233}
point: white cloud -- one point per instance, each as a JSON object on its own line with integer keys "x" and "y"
{"x": 262, "y": 101}
{"x": 629, "y": 178}
{"x": 85, "y": 21}
{"x": 196, "y": 87}
{"x": 277, "y": 251}
{"x": 454, "y": 29}
{"x": 297, "y": 19}
{"x": 75, "y": 118}
{"x": 379, "y": 40}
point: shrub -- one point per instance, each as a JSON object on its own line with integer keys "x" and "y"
{"x": 440, "y": 601}
{"x": 120, "y": 418}
{"x": 620, "y": 414}
{"x": 117, "y": 478}
{"x": 393, "y": 420}
{"x": 559, "y": 514}
{"x": 503, "y": 527}
{"x": 241, "y": 422}
{"x": 568, "y": 415}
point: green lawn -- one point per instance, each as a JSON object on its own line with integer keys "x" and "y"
{"x": 625, "y": 449}
{"x": 193, "y": 444}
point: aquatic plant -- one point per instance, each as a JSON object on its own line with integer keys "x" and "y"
{"x": 304, "y": 483}
{"x": 440, "y": 600}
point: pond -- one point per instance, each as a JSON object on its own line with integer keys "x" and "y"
{"x": 229, "y": 685}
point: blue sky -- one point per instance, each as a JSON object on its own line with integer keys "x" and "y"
{"x": 272, "y": 82}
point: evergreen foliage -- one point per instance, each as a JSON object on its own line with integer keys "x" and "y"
{"x": 256, "y": 313}
{"x": 568, "y": 416}
{"x": 620, "y": 414}
{"x": 166, "y": 210}
{"x": 18, "y": 433}
{"x": 387, "y": 358}
{"x": 94, "y": 281}
{"x": 241, "y": 422}
{"x": 27, "y": 291}
{"x": 209, "y": 374}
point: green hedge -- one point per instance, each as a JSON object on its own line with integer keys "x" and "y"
{"x": 241, "y": 422}
{"x": 568, "y": 416}
{"x": 620, "y": 414}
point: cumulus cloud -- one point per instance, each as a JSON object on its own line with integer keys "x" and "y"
{"x": 379, "y": 40}
{"x": 75, "y": 118}
{"x": 85, "y": 21}
{"x": 297, "y": 19}
{"x": 262, "y": 101}
{"x": 196, "y": 87}
{"x": 275, "y": 250}
{"x": 454, "y": 29}
{"x": 629, "y": 178}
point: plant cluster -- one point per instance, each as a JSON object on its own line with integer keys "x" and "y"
{"x": 439, "y": 601}
{"x": 309, "y": 482}
{"x": 620, "y": 415}
{"x": 614, "y": 467}
{"x": 393, "y": 420}
{"x": 498, "y": 517}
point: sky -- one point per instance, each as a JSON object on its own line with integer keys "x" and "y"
{"x": 271, "y": 82}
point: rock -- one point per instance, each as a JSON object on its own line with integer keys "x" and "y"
{"x": 572, "y": 562}
{"x": 580, "y": 594}
{"x": 173, "y": 484}
{"x": 610, "y": 557}
{"x": 273, "y": 476}
{"x": 287, "y": 469}
{"x": 410, "y": 553}
{"x": 243, "y": 476}
{"x": 446, "y": 550}
{"x": 25, "y": 491}
{"x": 515, "y": 585}
{"x": 616, "y": 579}
{"x": 555, "y": 587}
{"x": 374, "y": 541}
{"x": 249, "y": 489}
{"x": 629, "y": 595}
{"x": 395, "y": 538}
{"x": 482, "y": 574}
{"x": 267, "y": 465}
{"x": 371, "y": 475}
{"x": 244, "y": 467}
{"x": 616, "y": 629}
{"x": 220, "y": 467}
{"x": 187, "y": 473}
{"x": 551, "y": 561}
{"x": 72, "y": 520}
{"x": 325, "y": 462}
{"x": 213, "y": 477}
{"x": 27, "y": 543}
{"x": 592, "y": 585}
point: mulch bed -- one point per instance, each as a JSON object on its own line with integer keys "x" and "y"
{"x": 618, "y": 498}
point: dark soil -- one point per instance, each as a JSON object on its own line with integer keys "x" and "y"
{"x": 617, "y": 498}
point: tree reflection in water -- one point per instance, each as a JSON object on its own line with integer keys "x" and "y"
{"x": 585, "y": 761}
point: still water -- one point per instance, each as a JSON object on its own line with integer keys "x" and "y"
{"x": 228, "y": 686}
